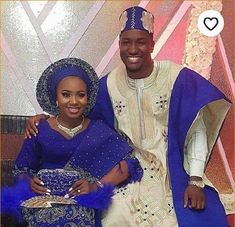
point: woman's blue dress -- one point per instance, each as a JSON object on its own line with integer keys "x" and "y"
{"x": 92, "y": 153}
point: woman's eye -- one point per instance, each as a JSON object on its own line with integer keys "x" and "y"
{"x": 81, "y": 95}
{"x": 66, "y": 95}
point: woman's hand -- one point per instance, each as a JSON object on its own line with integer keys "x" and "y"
{"x": 31, "y": 125}
{"x": 194, "y": 197}
{"x": 36, "y": 185}
{"x": 81, "y": 187}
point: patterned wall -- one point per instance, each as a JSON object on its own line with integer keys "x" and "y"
{"x": 36, "y": 33}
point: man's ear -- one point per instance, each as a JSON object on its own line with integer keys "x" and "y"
{"x": 153, "y": 44}
{"x": 119, "y": 41}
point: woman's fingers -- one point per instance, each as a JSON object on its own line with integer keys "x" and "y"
{"x": 37, "y": 186}
{"x": 79, "y": 187}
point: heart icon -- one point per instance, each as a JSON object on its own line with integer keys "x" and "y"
{"x": 210, "y": 22}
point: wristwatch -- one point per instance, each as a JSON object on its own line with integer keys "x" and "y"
{"x": 199, "y": 183}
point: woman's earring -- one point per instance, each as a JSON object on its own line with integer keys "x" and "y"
{"x": 57, "y": 104}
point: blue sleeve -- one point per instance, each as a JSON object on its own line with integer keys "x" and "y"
{"x": 135, "y": 169}
{"x": 28, "y": 159}
{"x": 191, "y": 92}
{"x": 103, "y": 109}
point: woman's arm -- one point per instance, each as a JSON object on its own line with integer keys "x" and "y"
{"x": 28, "y": 159}
{"x": 114, "y": 177}
{"x": 117, "y": 175}
{"x": 27, "y": 164}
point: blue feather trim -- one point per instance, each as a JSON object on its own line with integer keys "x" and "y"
{"x": 13, "y": 196}
{"x": 99, "y": 199}
{"x": 135, "y": 171}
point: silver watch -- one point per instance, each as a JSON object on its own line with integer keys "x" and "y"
{"x": 199, "y": 183}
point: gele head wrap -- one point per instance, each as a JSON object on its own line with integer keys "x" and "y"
{"x": 54, "y": 73}
{"x": 136, "y": 18}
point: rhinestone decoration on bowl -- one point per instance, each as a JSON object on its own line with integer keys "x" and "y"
{"x": 58, "y": 180}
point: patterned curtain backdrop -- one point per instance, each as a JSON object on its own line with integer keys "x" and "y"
{"x": 36, "y": 33}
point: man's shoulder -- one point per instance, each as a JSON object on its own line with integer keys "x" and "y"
{"x": 168, "y": 71}
{"x": 111, "y": 74}
{"x": 119, "y": 70}
{"x": 170, "y": 65}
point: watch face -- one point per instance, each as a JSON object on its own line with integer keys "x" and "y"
{"x": 199, "y": 184}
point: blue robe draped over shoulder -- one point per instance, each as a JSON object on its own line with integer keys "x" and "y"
{"x": 191, "y": 92}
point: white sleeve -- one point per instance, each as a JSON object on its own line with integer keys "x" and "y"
{"x": 196, "y": 148}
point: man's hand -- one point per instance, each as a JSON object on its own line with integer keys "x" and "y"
{"x": 36, "y": 185}
{"x": 194, "y": 197}
{"x": 31, "y": 125}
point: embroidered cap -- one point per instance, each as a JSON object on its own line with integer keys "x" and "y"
{"x": 54, "y": 73}
{"x": 136, "y": 18}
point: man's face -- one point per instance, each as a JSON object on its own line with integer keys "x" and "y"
{"x": 136, "y": 47}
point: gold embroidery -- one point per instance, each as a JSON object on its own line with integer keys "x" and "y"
{"x": 59, "y": 215}
{"x": 123, "y": 19}
{"x": 147, "y": 212}
{"x": 147, "y": 21}
{"x": 46, "y": 201}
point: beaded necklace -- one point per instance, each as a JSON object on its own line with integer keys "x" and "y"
{"x": 70, "y": 131}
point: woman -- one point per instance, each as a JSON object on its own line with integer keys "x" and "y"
{"x": 73, "y": 160}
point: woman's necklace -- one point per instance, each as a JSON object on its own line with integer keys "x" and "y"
{"x": 70, "y": 131}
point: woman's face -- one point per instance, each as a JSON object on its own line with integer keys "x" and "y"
{"x": 71, "y": 97}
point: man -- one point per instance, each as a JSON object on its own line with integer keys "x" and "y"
{"x": 172, "y": 116}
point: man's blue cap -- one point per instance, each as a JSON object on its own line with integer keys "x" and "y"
{"x": 136, "y": 18}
